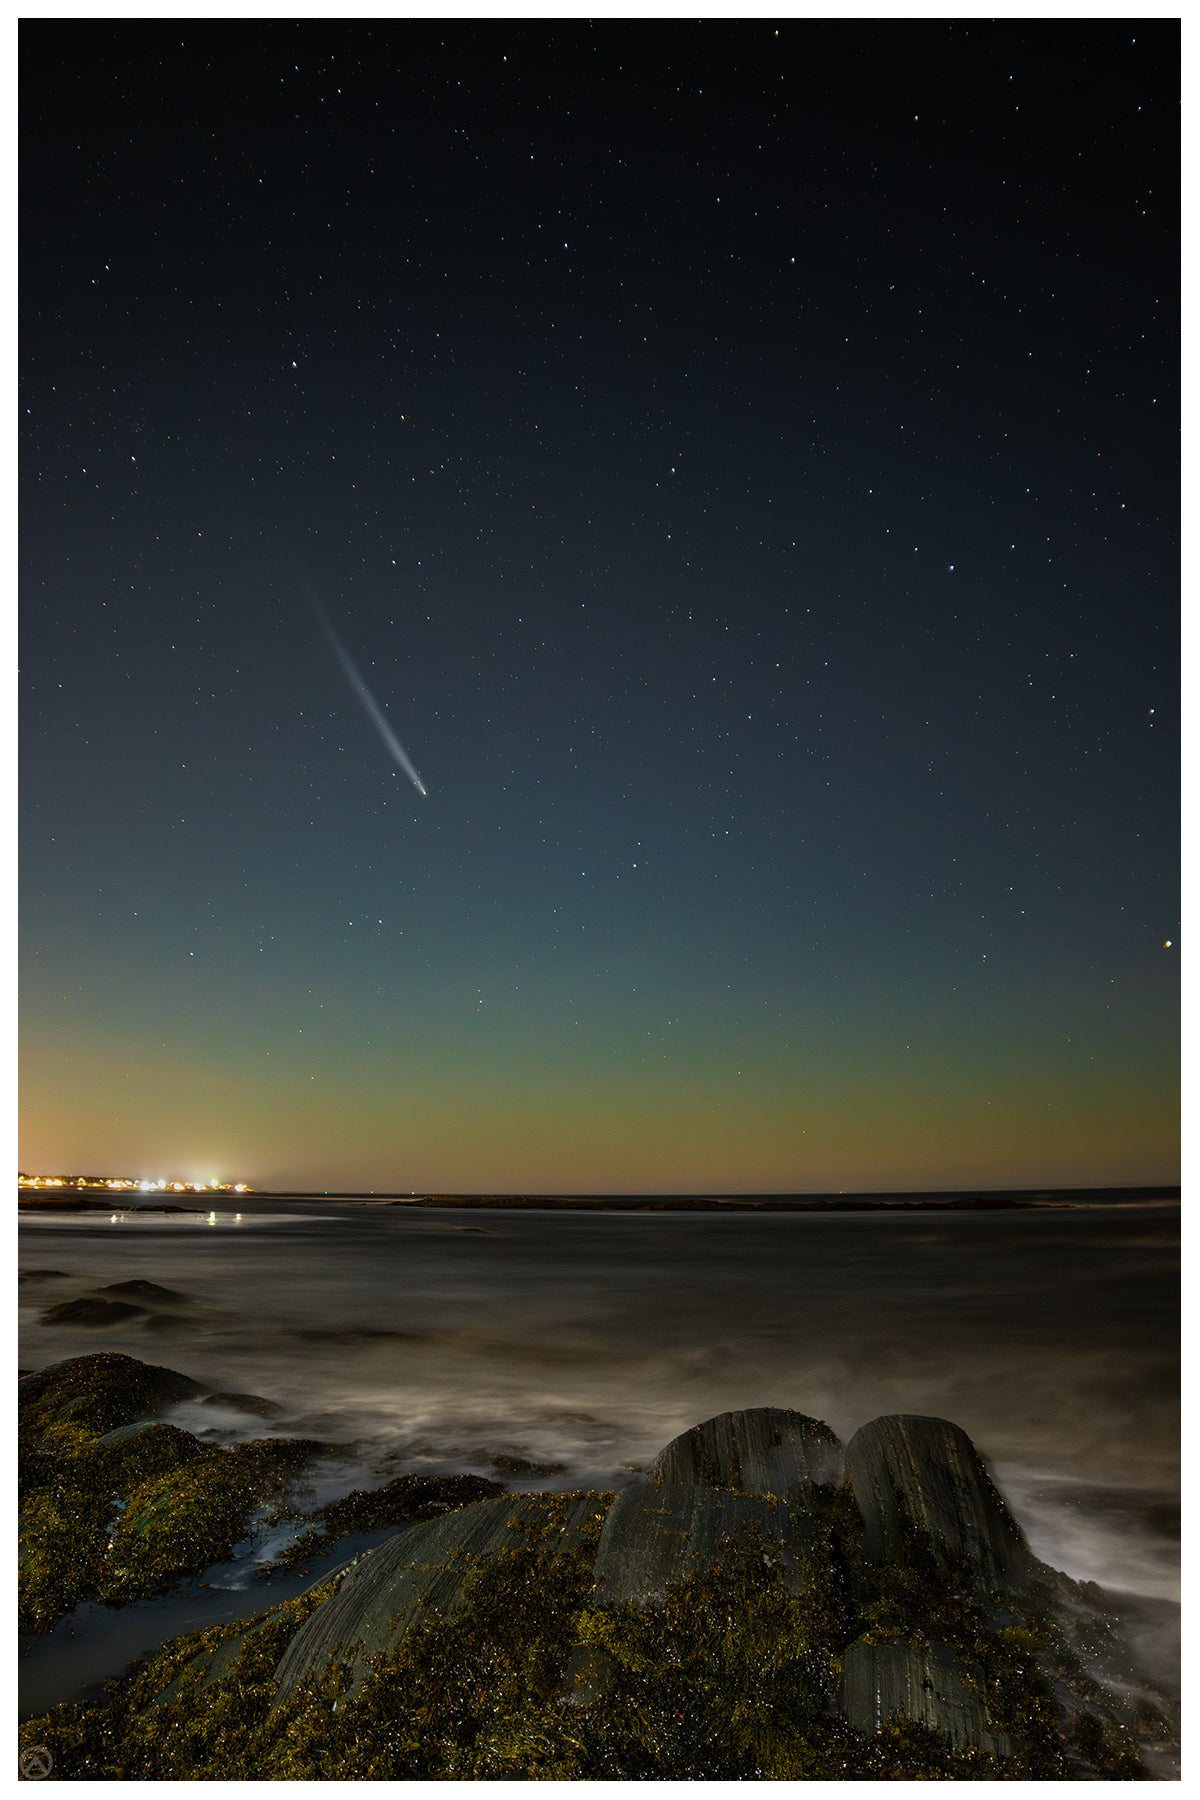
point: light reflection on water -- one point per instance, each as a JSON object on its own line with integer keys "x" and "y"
{"x": 435, "y": 1339}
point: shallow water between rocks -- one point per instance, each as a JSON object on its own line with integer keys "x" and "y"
{"x": 438, "y": 1341}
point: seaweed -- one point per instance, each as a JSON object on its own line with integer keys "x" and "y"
{"x": 63, "y": 1540}
{"x": 732, "y": 1675}
{"x": 124, "y": 1516}
{"x": 100, "y": 1392}
{"x": 178, "y": 1524}
{"x": 405, "y": 1501}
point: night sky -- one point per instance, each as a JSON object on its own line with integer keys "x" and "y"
{"x": 732, "y": 467}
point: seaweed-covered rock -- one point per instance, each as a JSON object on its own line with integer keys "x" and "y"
{"x": 761, "y": 1450}
{"x": 654, "y": 1537}
{"x": 423, "y": 1570}
{"x": 62, "y": 1544}
{"x": 177, "y": 1525}
{"x": 408, "y": 1500}
{"x": 147, "y": 1449}
{"x": 926, "y": 1683}
{"x": 101, "y": 1392}
{"x": 117, "y": 1506}
{"x": 916, "y": 1475}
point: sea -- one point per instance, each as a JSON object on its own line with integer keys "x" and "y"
{"x": 557, "y": 1348}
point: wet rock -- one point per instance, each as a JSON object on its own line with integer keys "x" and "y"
{"x": 143, "y": 1451}
{"x": 911, "y": 1474}
{"x": 101, "y": 1392}
{"x": 762, "y": 1450}
{"x": 177, "y": 1525}
{"x": 423, "y": 1570}
{"x": 169, "y": 1325}
{"x": 252, "y": 1404}
{"x": 350, "y": 1335}
{"x": 143, "y": 1293}
{"x": 926, "y": 1683}
{"x": 408, "y": 1500}
{"x": 118, "y": 1505}
{"x": 61, "y": 1545}
{"x": 88, "y": 1311}
{"x": 1106, "y": 1732}
{"x": 655, "y": 1536}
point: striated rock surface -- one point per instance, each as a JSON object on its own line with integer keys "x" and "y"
{"x": 655, "y": 1536}
{"x": 424, "y": 1569}
{"x": 761, "y": 1450}
{"x": 924, "y": 1683}
{"x": 915, "y": 1474}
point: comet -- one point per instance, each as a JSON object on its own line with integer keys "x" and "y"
{"x": 365, "y": 697}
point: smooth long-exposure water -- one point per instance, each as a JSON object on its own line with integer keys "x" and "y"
{"x": 441, "y": 1340}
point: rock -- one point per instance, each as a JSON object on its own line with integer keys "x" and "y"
{"x": 351, "y": 1335}
{"x": 143, "y": 1451}
{"x": 144, "y": 1293}
{"x": 925, "y": 1475}
{"x": 170, "y": 1325}
{"x": 654, "y": 1537}
{"x": 423, "y": 1570}
{"x": 89, "y": 1312}
{"x": 116, "y": 1505}
{"x": 253, "y": 1404}
{"x": 762, "y": 1450}
{"x": 408, "y": 1500}
{"x": 101, "y": 1392}
{"x": 924, "y": 1683}
{"x": 180, "y": 1523}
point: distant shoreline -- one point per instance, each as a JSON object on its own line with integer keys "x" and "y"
{"x": 971, "y": 1200}
{"x": 879, "y": 1202}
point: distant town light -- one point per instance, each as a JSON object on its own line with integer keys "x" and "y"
{"x": 121, "y": 1183}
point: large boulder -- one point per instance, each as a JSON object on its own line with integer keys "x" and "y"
{"x": 916, "y": 1475}
{"x": 423, "y": 1570}
{"x": 101, "y": 1392}
{"x": 925, "y": 1683}
{"x": 761, "y": 1450}
{"x": 655, "y": 1537}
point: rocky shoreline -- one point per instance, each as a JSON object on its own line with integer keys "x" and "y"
{"x": 762, "y": 1603}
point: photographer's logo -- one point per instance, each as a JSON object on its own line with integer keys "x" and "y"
{"x": 36, "y": 1762}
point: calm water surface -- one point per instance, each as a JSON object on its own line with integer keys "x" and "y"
{"x": 435, "y": 1340}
